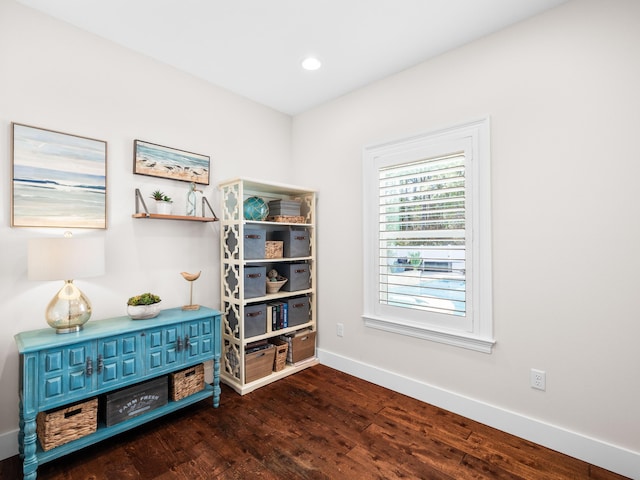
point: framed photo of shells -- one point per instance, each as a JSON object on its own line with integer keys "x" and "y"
{"x": 59, "y": 179}
{"x": 165, "y": 162}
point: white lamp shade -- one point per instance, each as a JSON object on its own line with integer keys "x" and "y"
{"x": 65, "y": 258}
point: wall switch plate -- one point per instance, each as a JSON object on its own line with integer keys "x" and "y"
{"x": 340, "y": 329}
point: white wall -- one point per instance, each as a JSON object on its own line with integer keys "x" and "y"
{"x": 55, "y": 76}
{"x": 563, "y": 94}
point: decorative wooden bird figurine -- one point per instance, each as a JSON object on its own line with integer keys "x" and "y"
{"x": 190, "y": 277}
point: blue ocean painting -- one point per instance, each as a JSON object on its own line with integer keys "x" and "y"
{"x": 159, "y": 161}
{"x": 59, "y": 180}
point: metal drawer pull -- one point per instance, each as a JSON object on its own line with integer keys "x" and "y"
{"x": 100, "y": 364}
{"x": 89, "y": 367}
{"x": 254, "y": 275}
{"x": 179, "y": 344}
{"x": 253, "y": 236}
{"x": 187, "y": 343}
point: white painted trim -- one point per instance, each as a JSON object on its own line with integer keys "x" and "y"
{"x": 611, "y": 457}
{"x": 8, "y": 444}
{"x": 475, "y": 329}
{"x": 478, "y": 344}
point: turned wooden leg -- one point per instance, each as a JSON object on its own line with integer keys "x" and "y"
{"x": 28, "y": 439}
{"x": 216, "y": 381}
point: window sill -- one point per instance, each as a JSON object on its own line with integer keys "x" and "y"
{"x": 479, "y": 344}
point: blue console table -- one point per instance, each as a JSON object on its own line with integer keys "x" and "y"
{"x": 62, "y": 369}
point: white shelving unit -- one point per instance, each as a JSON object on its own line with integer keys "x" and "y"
{"x": 233, "y": 263}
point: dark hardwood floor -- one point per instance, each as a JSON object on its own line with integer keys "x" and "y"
{"x": 317, "y": 424}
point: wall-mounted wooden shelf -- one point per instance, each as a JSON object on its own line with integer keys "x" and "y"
{"x": 174, "y": 217}
{"x": 188, "y": 218}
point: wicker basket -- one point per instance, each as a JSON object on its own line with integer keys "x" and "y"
{"x": 273, "y": 249}
{"x": 286, "y": 219}
{"x": 70, "y": 423}
{"x": 186, "y": 382}
{"x": 274, "y": 287}
{"x": 281, "y": 354}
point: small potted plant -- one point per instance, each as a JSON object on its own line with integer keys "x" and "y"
{"x": 163, "y": 202}
{"x": 145, "y": 305}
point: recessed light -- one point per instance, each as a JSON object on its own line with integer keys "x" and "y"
{"x": 311, "y": 63}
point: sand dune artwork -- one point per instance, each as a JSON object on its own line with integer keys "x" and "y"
{"x": 158, "y": 161}
{"x": 59, "y": 180}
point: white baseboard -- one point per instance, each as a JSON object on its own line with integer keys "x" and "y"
{"x": 619, "y": 460}
{"x": 8, "y": 444}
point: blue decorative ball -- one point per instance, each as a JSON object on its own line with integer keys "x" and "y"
{"x": 255, "y": 209}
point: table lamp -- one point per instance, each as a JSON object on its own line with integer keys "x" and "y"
{"x": 66, "y": 259}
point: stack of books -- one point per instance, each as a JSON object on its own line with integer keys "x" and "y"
{"x": 278, "y": 315}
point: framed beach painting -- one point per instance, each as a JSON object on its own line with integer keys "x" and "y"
{"x": 165, "y": 162}
{"x": 59, "y": 180}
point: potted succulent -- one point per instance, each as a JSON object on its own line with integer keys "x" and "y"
{"x": 163, "y": 202}
{"x": 145, "y": 305}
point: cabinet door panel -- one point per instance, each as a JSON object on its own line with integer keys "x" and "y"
{"x": 53, "y": 361}
{"x": 53, "y": 387}
{"x": 64, "y": 373}
{"x": 155, "y": 360}
{"x": 200, "y": 338}
{"x": 119, "y": 359}
{"x": 162, "y": 348}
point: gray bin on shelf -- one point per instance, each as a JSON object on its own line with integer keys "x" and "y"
{"x": 299, "y": 311}
{"x": 299, "y": 276}
{"x": 255, "y": 282}
{"x": 296, "y": 242}
{"x": 255, "y": 320}
{"x": 254, "y": 243}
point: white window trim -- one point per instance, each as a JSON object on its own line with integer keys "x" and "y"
{"x": 480, "y": 335}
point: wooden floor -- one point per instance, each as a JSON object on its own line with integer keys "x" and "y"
{"x": 316, "y": 424}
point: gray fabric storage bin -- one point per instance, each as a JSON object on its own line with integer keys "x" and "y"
{"x": 254, "y": 243}
{"x": 298, "y": 274}
{"x": 298, "y": 310}
{"x": 295, "y": 242}
{"x": 255, "y": 282}
{"x": 255, "y": 320}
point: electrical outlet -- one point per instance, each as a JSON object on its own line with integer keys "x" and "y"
{"x": 538, "y": 379}
{"x": 340, "y": 329}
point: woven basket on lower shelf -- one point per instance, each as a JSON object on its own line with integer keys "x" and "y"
{"x": 66, "y": 424}
{"x": 281, "y": 354}
{"x": 186, "y": 382}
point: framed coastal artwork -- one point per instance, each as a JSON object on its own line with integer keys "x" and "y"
{"x": 59, "y": 179}
{"x": 158, "y": 161}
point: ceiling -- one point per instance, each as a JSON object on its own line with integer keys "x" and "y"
{"x": 254, "y": 47}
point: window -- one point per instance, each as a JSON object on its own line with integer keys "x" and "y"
{"x": 428, "y": 236}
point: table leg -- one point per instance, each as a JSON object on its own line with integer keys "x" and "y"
{"x": 216, "y": 381}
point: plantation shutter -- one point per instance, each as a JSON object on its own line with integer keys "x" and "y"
{"x": 422, "y": 238}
